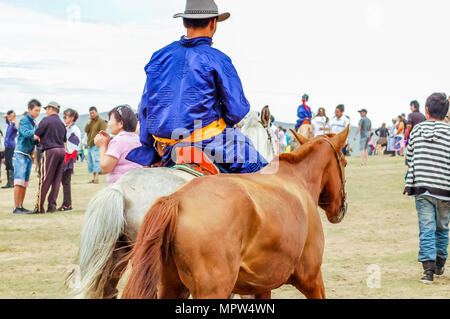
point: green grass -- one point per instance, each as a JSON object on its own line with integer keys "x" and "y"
{"x": 380, "y": 229}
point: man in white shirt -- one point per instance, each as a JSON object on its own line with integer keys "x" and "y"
{"x": 339, "y": 122}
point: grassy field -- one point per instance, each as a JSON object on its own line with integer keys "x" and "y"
{"x": 378, "y": 239}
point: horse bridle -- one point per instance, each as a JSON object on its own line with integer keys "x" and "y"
{"x": 270, "y": 137}
{"x": 343, "y": 207}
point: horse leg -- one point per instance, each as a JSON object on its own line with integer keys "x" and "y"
{"x": 171, "y": 286}
{"x": 312, "y": 288}
{"x": 205, "y": 285}
{"x": 264, "y": 295}
{"x": 307, "y": 277}
{"x": 110, "y": 291}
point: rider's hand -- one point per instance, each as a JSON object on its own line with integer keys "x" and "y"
{"x": 159, "y": 164}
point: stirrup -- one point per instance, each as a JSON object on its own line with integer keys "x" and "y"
{"x": 196, "y": 160}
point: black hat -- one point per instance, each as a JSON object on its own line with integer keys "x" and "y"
{"x": 363, "y": 110}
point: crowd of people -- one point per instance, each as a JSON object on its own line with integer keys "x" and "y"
{"x": 425, "y": 140}
{"x": 310, "y": 126}
{"x": 55, "y": 145}
{"x": 391, "y": 140}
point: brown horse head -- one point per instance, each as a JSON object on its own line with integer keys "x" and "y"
{"x": 332, "y": 198}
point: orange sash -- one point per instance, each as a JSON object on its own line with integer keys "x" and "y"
{"x": 205, "y": 133}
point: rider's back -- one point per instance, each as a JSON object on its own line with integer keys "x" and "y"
{"x": 189, "y": 80}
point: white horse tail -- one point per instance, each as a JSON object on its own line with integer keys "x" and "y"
{"x": 104, "y": 223}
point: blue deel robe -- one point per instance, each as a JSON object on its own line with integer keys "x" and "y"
{"x": 304, "y": 114}
{"x": 189, "y": 81}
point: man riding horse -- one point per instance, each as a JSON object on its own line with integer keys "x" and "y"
{"x": 194, "y": 97}
{"x": 304, "y": 114}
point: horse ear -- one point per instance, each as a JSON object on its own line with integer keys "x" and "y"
{"x": 340, "y": 140}
{"x": 301, "y": 139}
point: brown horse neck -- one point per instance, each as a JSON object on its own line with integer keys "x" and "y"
{"x": 306, "y": 167}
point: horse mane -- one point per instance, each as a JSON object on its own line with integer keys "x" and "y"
{"x": 300, "y": 153}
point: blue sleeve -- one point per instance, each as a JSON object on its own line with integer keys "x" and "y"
{"x": 235, "y": 105}
{"x": 145, "y": 155}
{"x": 26, "y": 129}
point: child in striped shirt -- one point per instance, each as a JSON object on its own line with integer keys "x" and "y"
{"x": 428, "y": 179}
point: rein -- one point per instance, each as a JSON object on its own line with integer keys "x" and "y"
{"x": 343, "y": 207}
{"x": 270, "y": 137}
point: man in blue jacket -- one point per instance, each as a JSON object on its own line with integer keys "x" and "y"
{"x": 193, "y": 97}
{"x": 22, "y": 159}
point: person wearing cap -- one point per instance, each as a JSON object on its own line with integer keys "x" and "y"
{"x": 193, "y": 97}
{"x": 304, "y": 114}
{"x": 22, "y": 159}
{"x": 364, "y": 130}
{"x": 51, "y": 135}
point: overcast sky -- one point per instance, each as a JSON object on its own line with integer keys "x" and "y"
{"x": 375, "y": 54}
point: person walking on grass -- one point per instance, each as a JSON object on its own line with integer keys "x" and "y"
{"x": 113, "y": 153}
{"x": 383, "y": 134}
{"x": 364, "y": 129}
{"x": 428, "y": 180}
{"x": 93, "y": 127}
{"x": 51, "y": 135}
{"x": 22, "y": 159}
{"x": 73, "y": 137}
{"x": 10, "y": 145}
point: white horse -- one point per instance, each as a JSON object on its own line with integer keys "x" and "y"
{"x": 266, "y": 143}
{"x": 114, "y": 215}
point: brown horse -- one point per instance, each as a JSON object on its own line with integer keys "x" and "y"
{"x": 243, "y": 234}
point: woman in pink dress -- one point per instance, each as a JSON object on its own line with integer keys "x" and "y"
{"x": 113, "y": 152}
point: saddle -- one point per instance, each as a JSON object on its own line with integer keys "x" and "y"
{"x": 191, "y": 159}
